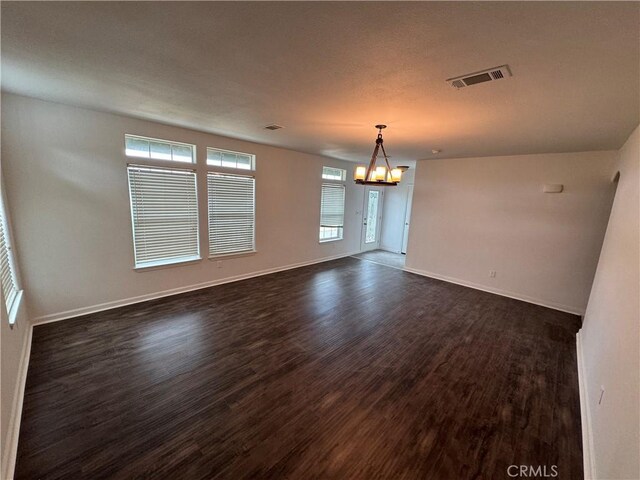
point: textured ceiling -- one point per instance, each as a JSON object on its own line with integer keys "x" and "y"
{"x": 329, "y": 71}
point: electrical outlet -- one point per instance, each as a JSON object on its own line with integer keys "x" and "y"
{"x": 219, "y": 264}
{"x": 492, "y": 273}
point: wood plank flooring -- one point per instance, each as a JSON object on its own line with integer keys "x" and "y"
{"x": 346, "y": 369}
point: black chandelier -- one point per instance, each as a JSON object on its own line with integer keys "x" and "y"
{"x": 378, "y": 175}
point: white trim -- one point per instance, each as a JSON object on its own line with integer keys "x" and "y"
{"x": 15, "y": 308}
{"x": 588, "y": 457}
{"x": 336, "y": 239}
{"x": 222, "y": 256}
{"x": 498, "y": 291}
{"x": 11, "y": 444}
{"x": 55, "y": 317}
{"x": 156, "y": 264}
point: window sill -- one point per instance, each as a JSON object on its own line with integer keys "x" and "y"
{"x": 167, "y": 264}
{"x": 159, "y": 163}
{"x": 231, "y": 170}
{"x": 327, "y": 240}
{"x": 232, "y": 255}
{"x": 15, "y": 308}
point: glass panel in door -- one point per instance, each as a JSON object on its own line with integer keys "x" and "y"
{"x": 371, "y": 219}
{"x": 371, "y": 228}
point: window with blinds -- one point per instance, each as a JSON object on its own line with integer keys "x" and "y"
{"x": 332, "y": 212}
{"x": 164, "y": 214}
{"x": 231, "y": 213}
{"x": 7, "y": 269}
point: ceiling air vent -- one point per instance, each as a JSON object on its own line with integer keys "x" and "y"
{"x": 273, "y": 126}
{"x": 488, "y": 75}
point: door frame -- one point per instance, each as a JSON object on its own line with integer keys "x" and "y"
{"x": 407, "y": 220}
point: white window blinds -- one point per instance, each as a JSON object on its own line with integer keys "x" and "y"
{"x": 332, "y": 211}
{"x": 7, "y": 272}
{"x": 231, "y": 213}
{"x": 164, "y": 213}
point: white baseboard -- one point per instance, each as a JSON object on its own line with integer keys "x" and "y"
{"x": 77, "y": 312}
{"x": 498, "y": 291}
{"x": 13, "y": 432}
{"x": 588, "y": 456}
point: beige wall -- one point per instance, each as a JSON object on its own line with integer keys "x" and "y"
{"x": 610, "y": 336}
{"x": 66, "y": 179}
{"x": 474, "y": 215}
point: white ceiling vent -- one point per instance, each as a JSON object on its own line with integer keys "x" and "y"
{"x": 488, "y": 75}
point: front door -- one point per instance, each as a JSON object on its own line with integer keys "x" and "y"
{"x": 372, "y": 218}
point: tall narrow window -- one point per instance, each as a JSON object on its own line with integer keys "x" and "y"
{"x": 231, "y": 213}
{"x": 164, "y": 214}
{"x": 7, "y": 267}
{"x": 332, "y": 212}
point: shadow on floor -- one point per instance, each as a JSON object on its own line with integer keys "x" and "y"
{"x": 390, "y": 259}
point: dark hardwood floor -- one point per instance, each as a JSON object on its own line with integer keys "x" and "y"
{"x": 346, "y": 369}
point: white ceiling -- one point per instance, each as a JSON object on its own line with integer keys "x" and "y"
{"x": 329, "y": 71}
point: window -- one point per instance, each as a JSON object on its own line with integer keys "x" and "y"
{"x": 164, "y": 214}
{"x": 231, "y": 213}
{"x": 153, "y": 149}
{"x": 228, "y": 159}
{"x": 164, "y": 203}
{"x": 332, "y": 204}
{"x": 7, "y": 268}
{"x": 332, "y": 212}
{"x": 330, "y": 173}
{"x": 231, "y": 204}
